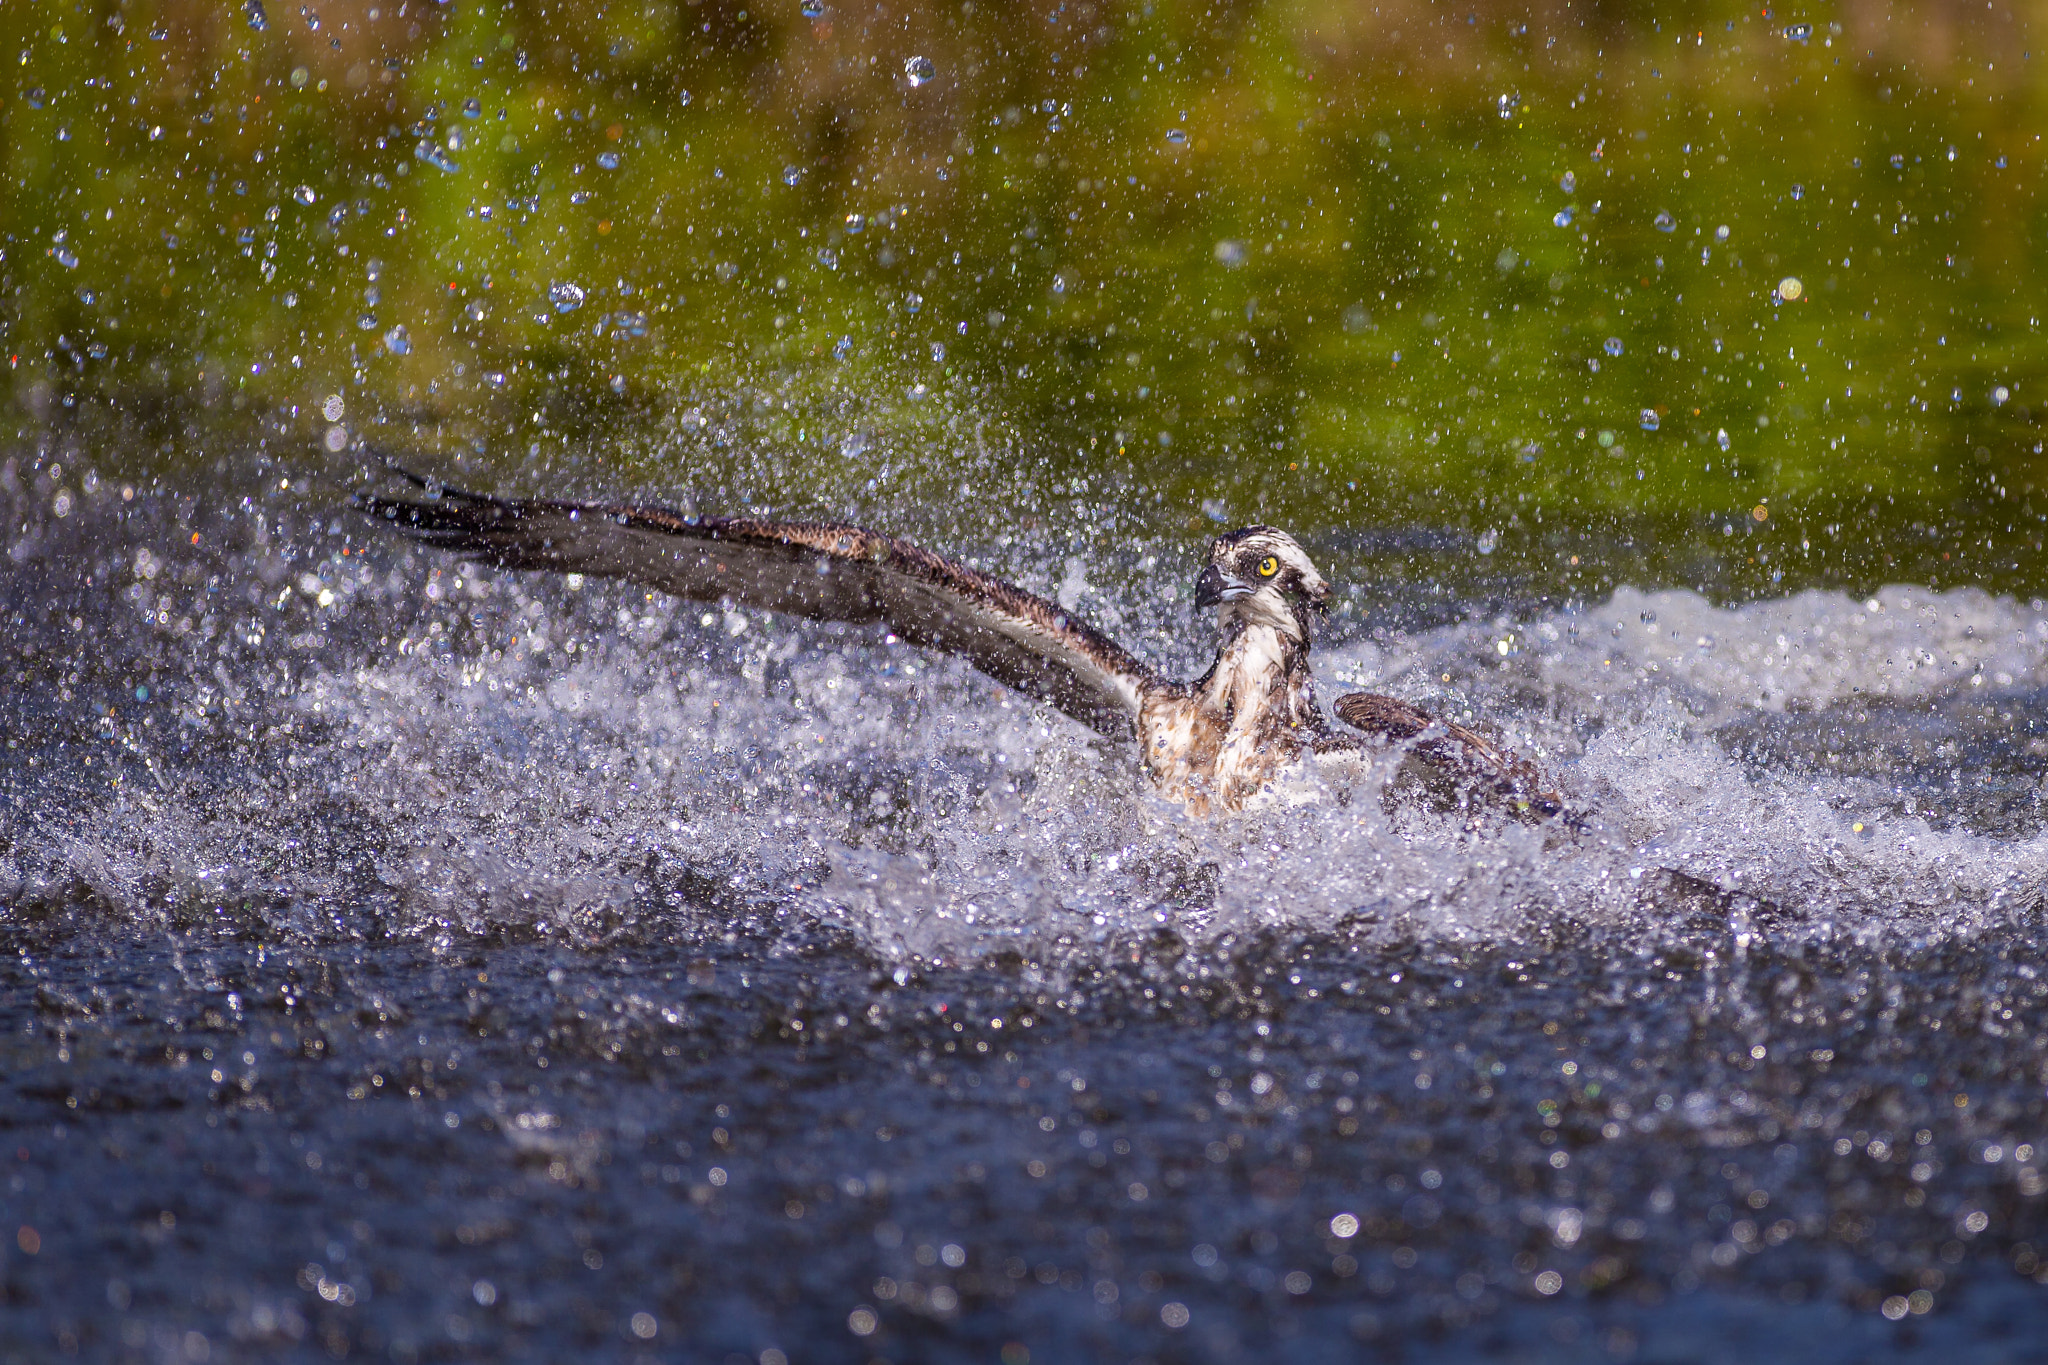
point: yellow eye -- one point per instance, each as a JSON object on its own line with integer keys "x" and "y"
{"x": 1268, "y": 567}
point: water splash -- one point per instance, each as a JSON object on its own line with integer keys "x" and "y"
{"x": 474, "y": 753}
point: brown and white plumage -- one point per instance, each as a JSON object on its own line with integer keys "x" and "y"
{"x": 1213, "y": 743}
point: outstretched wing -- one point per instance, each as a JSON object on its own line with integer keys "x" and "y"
{"x": 815, "y": 570}
{"x": 1462, "y": 752}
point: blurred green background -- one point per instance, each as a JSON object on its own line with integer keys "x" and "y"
{"x": 1749, "y": 297}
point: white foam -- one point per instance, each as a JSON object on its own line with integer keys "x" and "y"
{"x": 701, "y": 773}
{"x": 1812, "y": 649}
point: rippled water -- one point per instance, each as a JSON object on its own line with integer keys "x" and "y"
{"x": 421, "y": 964}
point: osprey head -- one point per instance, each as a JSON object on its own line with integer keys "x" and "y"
{"x": 1259, "y": 576}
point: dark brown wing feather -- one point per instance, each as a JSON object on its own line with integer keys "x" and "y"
{"x": 815, "y": 570}
{"x": 1464, "y": 753}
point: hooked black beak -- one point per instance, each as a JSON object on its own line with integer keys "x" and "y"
{"x": 1209, "y": 588}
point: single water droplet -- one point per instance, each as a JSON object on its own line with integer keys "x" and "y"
{"x": 1489, "y": 541}
{"x": 1898, "y": 160}
{"x": 608, "y": 160}
{"x": 1665, "y": 222}
{"x": 66, "y": 257}
{"x": 1721, "y": 438}
{"x": 1564, "y": 216}
{"x": 1951, "y": 154}
{"x": 1790, "y": 288}
{"x": 2000, "y": 394}
{"x": 1507, "y": 104}
{"x": 333, "y": 407}
{"x": 1799, "y": 191}
{"x": 913, "y": 303}
{"x": 683, "y": 98}
{"x": 1612, "y": 345}
{"x": 1230, "y": 253}
{"x": 938, "y": 350}
{"x": 1721, "y": 233}
{"x": 1606, "y": 439}
{"x": 792, "y": 174}
{"x": 35, "y": 97}
{"x": 258, "y": 20}
{"x": 918, "y": 70}
{"x": 472, "y": 108}
{"x": 1568, "y": 182}
{"x": 2000, "y": 163}
{"x": 566, "y": 297}
{"x": 855, "y": 224}
{"x": 397, "y": 342}
{"x": 305, "y": 194}
{"x": 1648, "y": 419}
{"x": 842, "y": 348}
{"x": 1176, "y": 136}
{"x": 813, "y": 9}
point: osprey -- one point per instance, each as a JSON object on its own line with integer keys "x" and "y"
{"x": 1211, "y": 744}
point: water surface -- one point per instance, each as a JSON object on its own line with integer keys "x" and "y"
{"x": 417, "y": 963}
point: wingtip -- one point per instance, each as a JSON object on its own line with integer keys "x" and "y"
{"x": 433, "y": 488}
